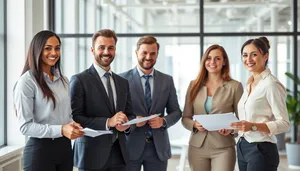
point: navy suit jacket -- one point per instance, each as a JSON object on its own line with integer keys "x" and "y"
{"x": 164, "y": 97}
{"x": 91, "y": 108}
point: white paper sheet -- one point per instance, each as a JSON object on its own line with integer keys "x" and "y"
{"x": 214, "y": 122}
{"x": 94, "y": 133}
{"x": 138, "y": 120}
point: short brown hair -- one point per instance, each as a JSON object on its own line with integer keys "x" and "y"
{"x": 105, "y": 33}
{"x": 146, "y": 40}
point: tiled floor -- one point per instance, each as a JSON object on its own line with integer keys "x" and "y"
{"x": 173, "y": 162}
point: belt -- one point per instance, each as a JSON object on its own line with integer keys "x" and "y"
{"x": 48, "y": 139}
{"x": 149, "y": 139}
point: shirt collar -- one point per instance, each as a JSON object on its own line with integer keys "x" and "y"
{"x": 56, "y": 75}
{"x": 259, "y": 77}
{"x": 101, "y": 71}
{"x": 142, "y": 74}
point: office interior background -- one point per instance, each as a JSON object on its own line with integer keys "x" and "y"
{"x": 184, "y": 29}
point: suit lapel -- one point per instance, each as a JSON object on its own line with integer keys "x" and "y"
{"x": 118, "y": 96}
{"x": 97, "y": 81}
{"x": 200, "y": 100}
{"x": 157, "y": 86}
{"x": 138, "y": 87}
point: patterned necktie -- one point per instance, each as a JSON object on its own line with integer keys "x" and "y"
{"x": 109, "y": 91}
{"x": 148, "y": 101}
{"x": 147, "y": 92}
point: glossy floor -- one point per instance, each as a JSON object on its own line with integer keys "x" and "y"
{"x": 173, "y": 163}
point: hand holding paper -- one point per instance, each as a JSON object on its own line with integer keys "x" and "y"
{"x": 140, "y": 124}
{"x": 198, "y": 126}
{"x": 138, "y": 120}
{"x": 94, "y": 133}
{"x": 215, "y": 122}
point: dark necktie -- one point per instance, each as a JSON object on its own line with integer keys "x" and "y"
{"x": 112, "y": 103}
{"x": 147, "y": 92}
{"x": 109, "y": 91}
{"x": 148, "y": 101}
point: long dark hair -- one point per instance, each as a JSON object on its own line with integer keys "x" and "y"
{"x": 34, "y": 62}
{"x": 203, "y": 74}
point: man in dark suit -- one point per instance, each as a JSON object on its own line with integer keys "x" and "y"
{"x": 152, "y": 92}
{"x": 100, "y": 100}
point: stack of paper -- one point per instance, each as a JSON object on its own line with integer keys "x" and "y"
{"x": 94, "y": 133}
{"x": 215, "y": 122}
{"x": 138, "y": 120}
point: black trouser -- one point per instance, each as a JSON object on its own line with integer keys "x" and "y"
{"x": 257, "y": 156}
{"x": 47, "y": 154}
{"x": 115, "y": 161}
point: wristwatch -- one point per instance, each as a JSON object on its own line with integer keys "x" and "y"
{"x": 254, "y": 127}
{"x": 164, "y": 126}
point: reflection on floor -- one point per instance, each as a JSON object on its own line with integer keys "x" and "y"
{"x": 173, "y": 163}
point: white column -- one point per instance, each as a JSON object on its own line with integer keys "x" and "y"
{"x": 15, "y": 52}
{"x": 274, "y": 41}
{"x": 34, "y": 19}
{"x": 46, "y": 14}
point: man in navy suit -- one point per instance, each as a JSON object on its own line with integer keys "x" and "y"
{"x": 152, "y": 92}
{"x": 100, "y": 100}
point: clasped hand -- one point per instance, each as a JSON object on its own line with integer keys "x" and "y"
{"x": 117, "y": 120}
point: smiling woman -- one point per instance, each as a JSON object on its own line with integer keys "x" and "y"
{"x": 42, "y": 102}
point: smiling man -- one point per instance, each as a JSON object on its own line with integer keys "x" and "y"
{"x": 152, "y": 92}
{"x": 100, "y": 100}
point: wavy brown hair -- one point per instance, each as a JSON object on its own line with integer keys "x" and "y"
{"x": 203, "y": 74}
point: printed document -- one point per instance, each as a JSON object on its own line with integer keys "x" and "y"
{"x": 215, "y": 122}
{"x": 95, "y": 133}
{"x": 138, "y": 120}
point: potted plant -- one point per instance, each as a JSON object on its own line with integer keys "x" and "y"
{"x": 293, "y": 107}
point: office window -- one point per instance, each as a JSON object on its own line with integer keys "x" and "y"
{"x": 184, "y": 29}
{"x": 143, "y": 16}
{"x": 2, "y": 72}
{"x": 247, "y": 16}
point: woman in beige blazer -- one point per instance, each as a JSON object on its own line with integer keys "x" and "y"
{"x": 213, "y": 92}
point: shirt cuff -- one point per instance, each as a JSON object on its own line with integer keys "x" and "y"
{"x": 56, "y": 131}
{"x": 272, "y": 127}
{"x": 106, "y": 126}
{"x": 127, "y": 131}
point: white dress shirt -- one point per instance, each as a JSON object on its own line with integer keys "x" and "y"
{"x": 101, "y": 73}
{"x": 265, "y": 104}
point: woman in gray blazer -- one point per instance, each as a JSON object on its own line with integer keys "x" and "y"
{"x": 213, "y": 92}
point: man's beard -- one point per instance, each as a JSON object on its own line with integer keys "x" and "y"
{"x": 102, "y": 63}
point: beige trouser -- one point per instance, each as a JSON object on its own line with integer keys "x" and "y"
{"x": 208, "y": 158}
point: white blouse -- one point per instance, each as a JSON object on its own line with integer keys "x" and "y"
{"x": 265, "y": 104}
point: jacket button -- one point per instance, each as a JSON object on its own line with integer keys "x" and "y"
{"x": 145, "y": 133}
{"x": 110, "y": 138}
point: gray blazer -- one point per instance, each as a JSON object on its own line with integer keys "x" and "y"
{"x": 225, "y": 100}
{"x": 164, "y": 97}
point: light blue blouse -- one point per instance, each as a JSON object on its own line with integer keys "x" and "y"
{"x": 208, "y": 104}
{"x": 35, "y": 113}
